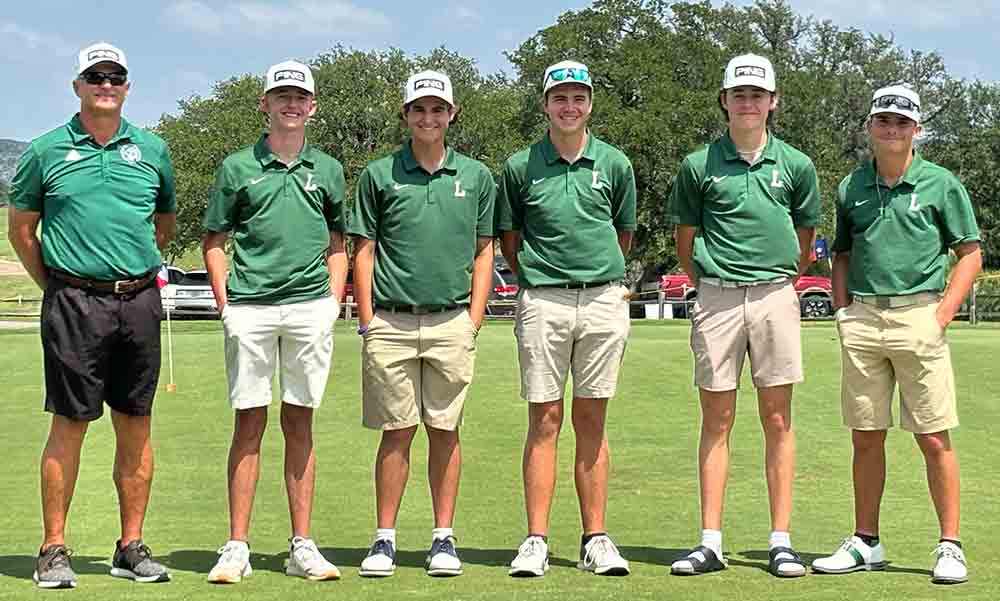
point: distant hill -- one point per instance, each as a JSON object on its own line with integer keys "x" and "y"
{"x": 10, "y": 152}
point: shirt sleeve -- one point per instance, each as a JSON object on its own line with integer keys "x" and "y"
{"x": 685, "y": 202}
{"x": 333, "y": 204}
{"x": 166, "y": 198}
{"x": 624, "y": 198}
{"x": 958, "y": 220}
{"x": 364, "y": 214}
{"x": 805, "y": 197}
{"x": 843, "y": 241}
{"x": 26, "y": 193}
{"x": 486, "y": 226}
{"x": 220, "y": 214}
{"x": 510, "y": 214}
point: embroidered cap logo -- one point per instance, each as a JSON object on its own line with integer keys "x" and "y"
{"x": 290, "y": 74}
{"x": 751, "y": 71}
{"x": 428, "y": 83}
{"x": 103, "y": 53}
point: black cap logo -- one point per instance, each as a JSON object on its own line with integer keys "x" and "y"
{"x": 750, "y": 70}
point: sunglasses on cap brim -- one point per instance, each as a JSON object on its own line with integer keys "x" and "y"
{"x": 570, "y": 74}
{"x": 900, "y": 102}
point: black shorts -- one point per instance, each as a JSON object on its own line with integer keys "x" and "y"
{"x": 100, "y": 347}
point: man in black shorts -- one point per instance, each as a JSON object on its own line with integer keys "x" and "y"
{"x": 103, "y": 190}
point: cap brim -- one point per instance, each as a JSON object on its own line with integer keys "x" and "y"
{"x": 915, "y": 117}
{"x": 289, "y": 85}
{"x": 432, "y": 93}
{"x": 585, "y": 84}
{"x": 95, "y": 63}
{"x": 748, "y": 83}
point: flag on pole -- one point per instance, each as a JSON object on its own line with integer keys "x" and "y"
{"x": 162, "y": 276}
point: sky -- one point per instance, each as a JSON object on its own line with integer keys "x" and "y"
{"x": 177, "y": 48}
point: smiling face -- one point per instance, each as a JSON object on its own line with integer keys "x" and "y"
{"x": 892, "y": 133}
{"x": 568, "y": 108}
{"x": 748, "y": 106}
{"x": 288, "y": 108}
{"x": 103, "y": 97}
{"x": 428, "y": 119}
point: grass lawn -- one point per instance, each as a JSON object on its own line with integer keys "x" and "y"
{"x": 653, "y": 507}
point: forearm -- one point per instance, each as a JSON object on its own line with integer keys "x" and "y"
{"x": 22, "y": 234}
{"x": 684, "y": 238}
{"x": 166, "y": 228}
{"x": 963, "y": 276}
{"x": 625, "y": 241}
{"x": 217, "y": 264}
{"x": 336, "y": 265}
{"x": 807, "y": 240}
{"x": 482, "y": 279}
{"x": 364, "y": 267}
{"x": 841, "y": 265}
{"x": 510, "y": 245}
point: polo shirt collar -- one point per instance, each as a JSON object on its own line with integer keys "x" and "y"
{"x": 551, "y": 155}
{"x": 410, "y": 162}
{"x": 79, "y": 134}
{"x": 770, "y": 152}
{"x": 263, "y": 153}
{"x": 911, "y": 176}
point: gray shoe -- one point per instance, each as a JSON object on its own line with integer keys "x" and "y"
{"x": 53, "y": 569}
{"x": 135, "y": 562}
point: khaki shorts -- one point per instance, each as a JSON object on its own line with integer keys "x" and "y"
{"x": 561, "y": 330}
{"x": 258, "y": 337}
{"x": 883, "y": 347}
{"x": 417, "y": 368}
{"x": 727, "y": 324}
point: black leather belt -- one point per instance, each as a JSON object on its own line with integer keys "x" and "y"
{"x": 582, "y": 285}
{"x": 417, "y": 309}
{"x": 110, "y": 287}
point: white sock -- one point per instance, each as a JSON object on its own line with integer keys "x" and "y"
{"x": 388, "y": 534}
{"x": 780, "y": 539}
{"x": 239, "y": 542}
{"x": 442, "y": 533}
{"x": 713, "y": 540}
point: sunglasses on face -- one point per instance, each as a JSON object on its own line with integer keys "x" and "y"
{"x": 97, "y": 78}
{"x": 900, "y": 102}
{"x": 570, "y": 74}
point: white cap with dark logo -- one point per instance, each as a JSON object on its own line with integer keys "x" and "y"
{"x": 566, "y": 72}
{"x": 101, "y": 52}
{"x": 290, "y": 73}
{"x": 749, "y": 70}
{"x": 428, "y": 83}
{"x": 898, "y": 99}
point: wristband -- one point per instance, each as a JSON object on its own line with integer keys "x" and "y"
{"x": 362, "y": 330}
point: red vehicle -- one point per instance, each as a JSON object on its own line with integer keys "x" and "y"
{"x": 815, "y": 294}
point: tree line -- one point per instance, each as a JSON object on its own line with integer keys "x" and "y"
{"x": 657, "y": 69}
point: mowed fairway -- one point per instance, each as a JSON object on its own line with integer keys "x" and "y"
{"x": 653, "y": 505}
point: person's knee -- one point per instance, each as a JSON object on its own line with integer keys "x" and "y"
{"x": 249, "y": 427}
{"x": 66, "y": 435}
{"x": 776, "y": 423}
{"x": 589, "y": 417}
{"x": 868, "y": 440}
{"x": 296, "y": 421}
{"x": 935, "y": 444}
{"x": 545, "y": 421}
{"x": 397, "y": 440}
{"x": 441, "y": 439}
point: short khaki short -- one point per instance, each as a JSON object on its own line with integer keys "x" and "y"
{"x": 580, "y": 331}
{"x": 417, "y": 368}
{"x": 728, "y": 323}
{"x": 883, "y": 347}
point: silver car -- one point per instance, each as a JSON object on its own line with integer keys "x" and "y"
{"x": 188, "y": 293}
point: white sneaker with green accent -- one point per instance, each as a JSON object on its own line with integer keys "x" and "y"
{"x": 305, "y": 561}
{"x": 852, "y": 556}
{"x": 233, "y": 564}
{"x": 601, "y": 556}
{"x": 950, "y": 567}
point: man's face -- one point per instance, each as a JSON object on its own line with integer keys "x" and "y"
{"x": 568, "y": 107}
{"x": 98, "y": 93}
{"x": 428, "y": 119}
{"x": 892, "y": 133}
{"x": 748, "y": 106}
{"x": 288, "y": 107}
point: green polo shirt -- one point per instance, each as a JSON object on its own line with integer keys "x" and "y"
{"x": 425, "y": 226}
{"x": 280, "y": 217}
{"x": 97, "y": 202}
{"x": 746, "y": 215}
{"x": 899, "y": 237}
{"x": 568, "y": 215}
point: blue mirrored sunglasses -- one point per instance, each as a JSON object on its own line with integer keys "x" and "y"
{"x": 570, "y": 74}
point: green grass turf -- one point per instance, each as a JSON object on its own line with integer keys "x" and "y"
{"x": 653, "y": 508}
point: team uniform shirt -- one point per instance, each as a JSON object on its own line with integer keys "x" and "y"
{"x": 746, "y": 215}
{"x": 97, "y": 202}
{"x": 280, "y": 217}
{"x": 568, "y": 215}
{"x": 425, "y": 226}
{"x": 898, "y": 238}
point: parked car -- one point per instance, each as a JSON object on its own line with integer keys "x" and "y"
{"x": 503, "y": 297}
{"x": 815, "y": 294}
{"x": 188, "y": 293}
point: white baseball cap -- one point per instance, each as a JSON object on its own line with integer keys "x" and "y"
{"x": 898, "y": 99}
{"x": 428, "y": 83}
{"x": 101, "y": 52}
{"x": 749, "y": 70}
{"x": 290, "y": 73}
{"x": 566, "y": 72}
